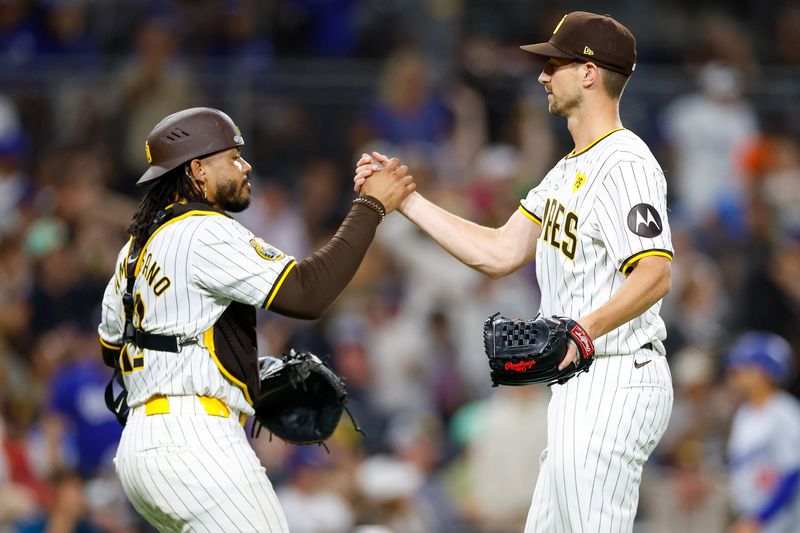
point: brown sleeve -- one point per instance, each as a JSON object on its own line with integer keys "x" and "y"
{"x": 313, "y": 285}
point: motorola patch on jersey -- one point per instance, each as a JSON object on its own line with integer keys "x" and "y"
{"x": 644, "y": 221}
{"x": 265, "y": 250}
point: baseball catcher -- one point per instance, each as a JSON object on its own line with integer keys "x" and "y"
{"x": 301, "y": 400}
{"x": 521, "y": 352}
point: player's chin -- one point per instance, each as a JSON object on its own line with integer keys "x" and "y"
{"x": 246, "y": 192}
{"x": 239, "y": 204}
{"x": 554, "y": 109}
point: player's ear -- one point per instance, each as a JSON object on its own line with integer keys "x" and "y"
{"x": 195, "y": 170}
{"x": 590, "y": 75}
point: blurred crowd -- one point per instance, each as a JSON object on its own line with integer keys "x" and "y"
{"x": 441, "y": 84}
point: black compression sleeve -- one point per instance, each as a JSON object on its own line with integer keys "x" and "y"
{"x": 316, "y": 282}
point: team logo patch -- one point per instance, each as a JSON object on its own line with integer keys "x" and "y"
{"x": 265, "y": 250}
{"x": 147, "y": 152}
{"x": 580, "y": 179}
{"x": 644, "y": 221}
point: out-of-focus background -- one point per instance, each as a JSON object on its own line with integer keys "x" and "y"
{"x": 442, "y": 84}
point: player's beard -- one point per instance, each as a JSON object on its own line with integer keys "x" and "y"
{"x": 562, "y": 106}
{"x": 234, "y": 197}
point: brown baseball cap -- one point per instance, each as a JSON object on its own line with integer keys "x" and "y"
{"x": 187, "y": 135}
{"x": 590, "y": 37}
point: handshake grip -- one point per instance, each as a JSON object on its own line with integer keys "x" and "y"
{"x": 522, "y": 352}
{"x": 389, "y": 185}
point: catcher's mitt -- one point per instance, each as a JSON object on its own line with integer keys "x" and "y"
{"x": 300, "y": 400}
{"x": 529, "y": 351}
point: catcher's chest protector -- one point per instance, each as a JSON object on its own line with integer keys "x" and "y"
{"x": 234, "y": 333}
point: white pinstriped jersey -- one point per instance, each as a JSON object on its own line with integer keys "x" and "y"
{"x": 191, "y": 269}
{"x": 601, "y": 210}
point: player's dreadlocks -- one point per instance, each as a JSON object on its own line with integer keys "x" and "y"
{"x": 173, "y": 186}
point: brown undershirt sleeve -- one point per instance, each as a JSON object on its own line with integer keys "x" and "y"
{"x": 313, "y": 285}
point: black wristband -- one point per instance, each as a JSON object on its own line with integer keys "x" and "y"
{"x": 373, "y": 203}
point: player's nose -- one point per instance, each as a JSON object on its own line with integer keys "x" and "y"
{"x": 547, "y": 73}
{"x": 247, "y": 167}
{"x": 544, "y": 77}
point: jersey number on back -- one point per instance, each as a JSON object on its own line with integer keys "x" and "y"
{"x": 127, "y": 362}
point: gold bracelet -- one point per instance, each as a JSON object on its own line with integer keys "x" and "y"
{"x": 373, "y": 203}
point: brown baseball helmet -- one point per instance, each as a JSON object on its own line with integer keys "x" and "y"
{"x": 186, "y": 135}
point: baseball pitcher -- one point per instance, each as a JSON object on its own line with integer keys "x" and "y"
{"x": 597, "y": 228}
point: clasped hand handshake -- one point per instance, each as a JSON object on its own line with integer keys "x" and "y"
{"x": 384, "y": 179}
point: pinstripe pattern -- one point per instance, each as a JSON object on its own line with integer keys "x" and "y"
{"x": 194, "y": 472}
{"x": 210, "y": 262}
{"x": 187, "y": 470}
{"x": 620, "y": 173}
{"x": 602, "y": 425}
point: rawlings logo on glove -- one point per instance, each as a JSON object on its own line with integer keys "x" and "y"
{"x": 522, "y": 366}
{"x": 579, "y": 334}
{"x": 529, "y": 351}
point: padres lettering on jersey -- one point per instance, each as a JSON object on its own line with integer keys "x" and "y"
{"x": 559, "y": 227}
{"x": 188, "y": 273}
{"x": 601, "y": 210}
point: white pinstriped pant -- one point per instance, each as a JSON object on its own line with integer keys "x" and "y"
{"x": 601, "y": 428}
{"x": 195, "y": 472}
